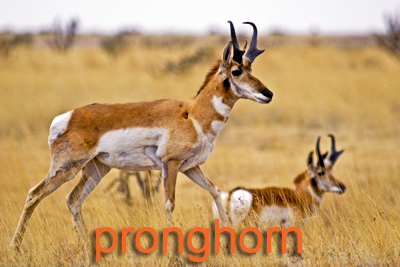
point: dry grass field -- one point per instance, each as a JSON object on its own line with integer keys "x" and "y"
{"x": 353, "y": 93}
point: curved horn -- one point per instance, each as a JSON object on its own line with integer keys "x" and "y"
{"x": 320, "y": 158}
{"x": 253, "y": 52}
{"x": 237, "y": 53}
{"x": 334, "y": 154}
{"x": 310, "y": 161}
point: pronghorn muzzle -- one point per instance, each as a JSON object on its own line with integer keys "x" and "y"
{"x": 267, "y": 93}
{"x": 343, "y": 187}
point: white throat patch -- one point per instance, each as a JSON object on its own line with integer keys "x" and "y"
{"x": 220, "y": 107}
{"x": 217, "y": 126}
{"x": 318, "y": 198}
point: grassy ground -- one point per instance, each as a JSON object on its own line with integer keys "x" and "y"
{"x": 350, "y": 92}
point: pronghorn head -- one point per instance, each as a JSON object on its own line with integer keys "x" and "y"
{"x": 235, "y": 69}
{"x": 321, "y": 178}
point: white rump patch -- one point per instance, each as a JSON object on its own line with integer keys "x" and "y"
{"x": 240, "y": 205}
{"x": 58, "y": 126}
{"x": 224, "y": 197}
{"x": 277, "y": 216}
{"x": 221, "y": 107}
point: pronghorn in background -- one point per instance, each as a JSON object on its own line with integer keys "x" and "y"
{"x": 277, "y": 205}
{"x": 149, "y": 183}
{"x": 171, "y": 135}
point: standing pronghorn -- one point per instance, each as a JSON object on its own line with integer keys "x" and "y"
{"x": 169, "y": 134}
{"x": 284, "y": 205}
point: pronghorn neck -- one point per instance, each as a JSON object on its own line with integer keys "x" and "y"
{"x": 216, "y": 85}
{"x": 315, "y": 195}
{"x": 214, "y": 102}
{"x": 305, "y": 187}
{"x": 214, "y": 93}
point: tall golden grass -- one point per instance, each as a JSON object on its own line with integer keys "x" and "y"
{"x": 352, "y": 93}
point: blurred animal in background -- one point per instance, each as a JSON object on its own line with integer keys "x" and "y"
{"x": 282, "y": 206}
{"x": 149, "y": 183}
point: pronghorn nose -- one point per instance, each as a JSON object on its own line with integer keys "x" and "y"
{"x": 341, "y": 186}
{"x": 266, "y": 92}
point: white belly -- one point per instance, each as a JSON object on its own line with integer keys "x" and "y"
{"x": 133, "y": 149}
{"x": 138, "y": 149}
{"x": 277, "y": 216}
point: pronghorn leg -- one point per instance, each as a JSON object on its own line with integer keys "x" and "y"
{"x": 111, "y": 185}
{"x": 169, "y": 173}
{"x": 61, "y": 171}
{"x": 92, "y": 173}
{"x": 196, "y": 175}
{"x": 124, "y": 188}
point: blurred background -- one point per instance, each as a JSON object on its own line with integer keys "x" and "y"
{"x": 333, "y": 66}
{"x": 200, "y": 17}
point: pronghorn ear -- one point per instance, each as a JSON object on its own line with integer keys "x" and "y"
{"x": 245, "y": 45}
{"x": 226, "y": 55}
{"x": 310, "y": 161}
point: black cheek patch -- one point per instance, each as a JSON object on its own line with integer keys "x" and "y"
{"x": 314, "y": 182}
{"x": 227, "y": 84}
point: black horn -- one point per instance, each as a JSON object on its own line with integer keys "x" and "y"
{"x": 320, "y": 158}
{"x": 253, "y": 52}
{"x": 334, "y": 154}
{"x": 237, "y": 53}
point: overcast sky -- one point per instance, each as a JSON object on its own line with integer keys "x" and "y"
{"x": 199, "y": 17}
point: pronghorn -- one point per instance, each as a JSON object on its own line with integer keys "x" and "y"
{"x": 284, "y": 205}
{"x": 169, "y": 134}
{"x": 149, "y": 182}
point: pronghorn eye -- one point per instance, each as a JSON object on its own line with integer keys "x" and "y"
{"x": 236, "y": 73}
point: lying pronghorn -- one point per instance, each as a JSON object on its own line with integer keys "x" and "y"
{"x": 149, "y": 182}
{"x": 171, "y": 135}
{"x": 284, "y": 205}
